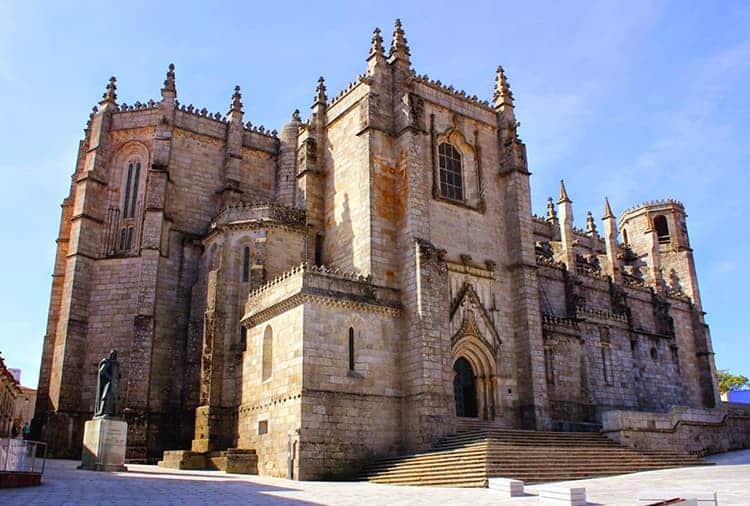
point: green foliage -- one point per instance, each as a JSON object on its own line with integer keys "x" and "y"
{"x": 730, "y": 382}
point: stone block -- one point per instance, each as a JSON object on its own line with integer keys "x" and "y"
{"x": 506, "y": 486}
{"x": 562, "y": 496}
{"x": 104, "y": 442}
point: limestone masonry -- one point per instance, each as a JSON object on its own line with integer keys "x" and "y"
{"x": 355, "y": 284}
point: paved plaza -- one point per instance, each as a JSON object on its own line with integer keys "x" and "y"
{"x": 144, "y": 485}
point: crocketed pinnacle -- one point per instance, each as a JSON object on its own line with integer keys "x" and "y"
{"x": 399, "y": 46}
{"x": 110, "y": 94}
{"x": 320, "y": 92}
{"x": 608, "y": 214}
{"x": 377, "y": 43}
{"x": 590, "y": 224}
{"x": 236, "y": 100}
{"x": 551, "y": 212}
{"x": 502, "y": 97}
{"x": 169, "y": 82}
{"x": 563, "y": 194}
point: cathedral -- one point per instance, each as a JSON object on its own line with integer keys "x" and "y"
{"x": 355, "y": 284}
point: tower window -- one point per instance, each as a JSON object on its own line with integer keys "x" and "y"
{"x": 351, "y": 348}
{"x": 243, "y": 336}
{"x": 131, "y": 189}
{"x": 245, "y": 264}
{"x": 625, "y": 236}
{"x": 451, "y": 183}
{"x": 662, "y": 228}
{"x": 267, "y": 368}
{"x": 318, "y": 249}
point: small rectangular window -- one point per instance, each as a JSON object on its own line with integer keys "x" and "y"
{"x": 262, "y": 427}
{"x": 351, "y": 349}
{"x": 246, "y": 264}
{"x": 318, "y": 250}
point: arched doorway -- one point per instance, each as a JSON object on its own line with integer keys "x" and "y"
{"x": 465, "y": 389}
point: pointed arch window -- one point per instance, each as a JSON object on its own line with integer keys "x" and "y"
{"x": 131, "y": 189}
{"x": 451, "y": 181}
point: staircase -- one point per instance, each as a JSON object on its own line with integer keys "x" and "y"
{"x": 480, "y": 451}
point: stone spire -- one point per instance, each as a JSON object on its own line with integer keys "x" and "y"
{"x": 376, "y": 49}
{"x": 563, "y": 194}
{"x": 551, "y": 213}
{"x": 169, "y": 83}
{"x": 320, "y": 93}
{"x": 399, "y": 46}
{"x": 566, "y": 228}
{"x": 502, "y": 98}
{"x": 110, "y": 94}
{"x": 610, "y": 241}
{"x": 590, "y": 224}
{"x": 236, "y": 100}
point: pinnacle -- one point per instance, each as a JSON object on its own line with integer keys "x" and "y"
{"x": 169, "y": 82}
{"x": 607, "y": 210}
{"x": 563, "y": 194}
{"x": 502, "y": 95}
{"x": 399, "y": 44}
{"x": 320, "y": 92}
{"x": 236, "y": 100}
{"x": 590, "y": 224}
{"x": 110, "y": 94}
{"x": 551, "y": 213}
{"x": 377, "y": 43}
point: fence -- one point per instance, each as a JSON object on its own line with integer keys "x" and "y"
{"x": 20, "y": 456}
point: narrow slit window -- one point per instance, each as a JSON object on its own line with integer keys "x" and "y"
{"x": 351, "y": 348}
{"x": 267, "y": 368}
{"x": 318, "y": 250}
{"x": 246, "y": 264}
{"x": 243, "y": 336}
{"x": 135, "y": 188}
{"x": 127, "y": 191}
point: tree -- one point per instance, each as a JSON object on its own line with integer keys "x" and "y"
{"x": 730, "y": 382}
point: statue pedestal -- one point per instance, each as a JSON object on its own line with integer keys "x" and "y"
{"x": 104, "y": 441}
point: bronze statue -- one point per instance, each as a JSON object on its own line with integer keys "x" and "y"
{"x": 107, "y": 388}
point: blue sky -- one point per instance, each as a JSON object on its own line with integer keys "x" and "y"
{"x": 633, "y": 100}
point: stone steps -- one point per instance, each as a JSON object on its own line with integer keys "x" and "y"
{"x": 232, "y": 460}
{"x": 469, "y": 458}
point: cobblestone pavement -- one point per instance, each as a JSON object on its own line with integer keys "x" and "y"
{"x": 143, "y": 485}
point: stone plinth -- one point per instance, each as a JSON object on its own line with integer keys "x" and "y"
{"x": 562, "y": 496}
{"x": 506, "y": 486}
{"x": 104, "y": 442}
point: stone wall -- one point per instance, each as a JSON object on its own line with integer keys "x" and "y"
{"x": 271, "y": 408}
{"x": 697, "y": 431}
{"x": 348, "y": 414}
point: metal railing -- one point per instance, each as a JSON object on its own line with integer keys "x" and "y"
{"x": 22, "y": 456}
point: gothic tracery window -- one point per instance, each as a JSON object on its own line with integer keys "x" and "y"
{"x": 451, "y": 182}
{"x": 132, "y": 177}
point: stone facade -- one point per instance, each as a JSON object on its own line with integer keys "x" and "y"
{"x": 10, "y": 393}
{"x": 346, "y": 288}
